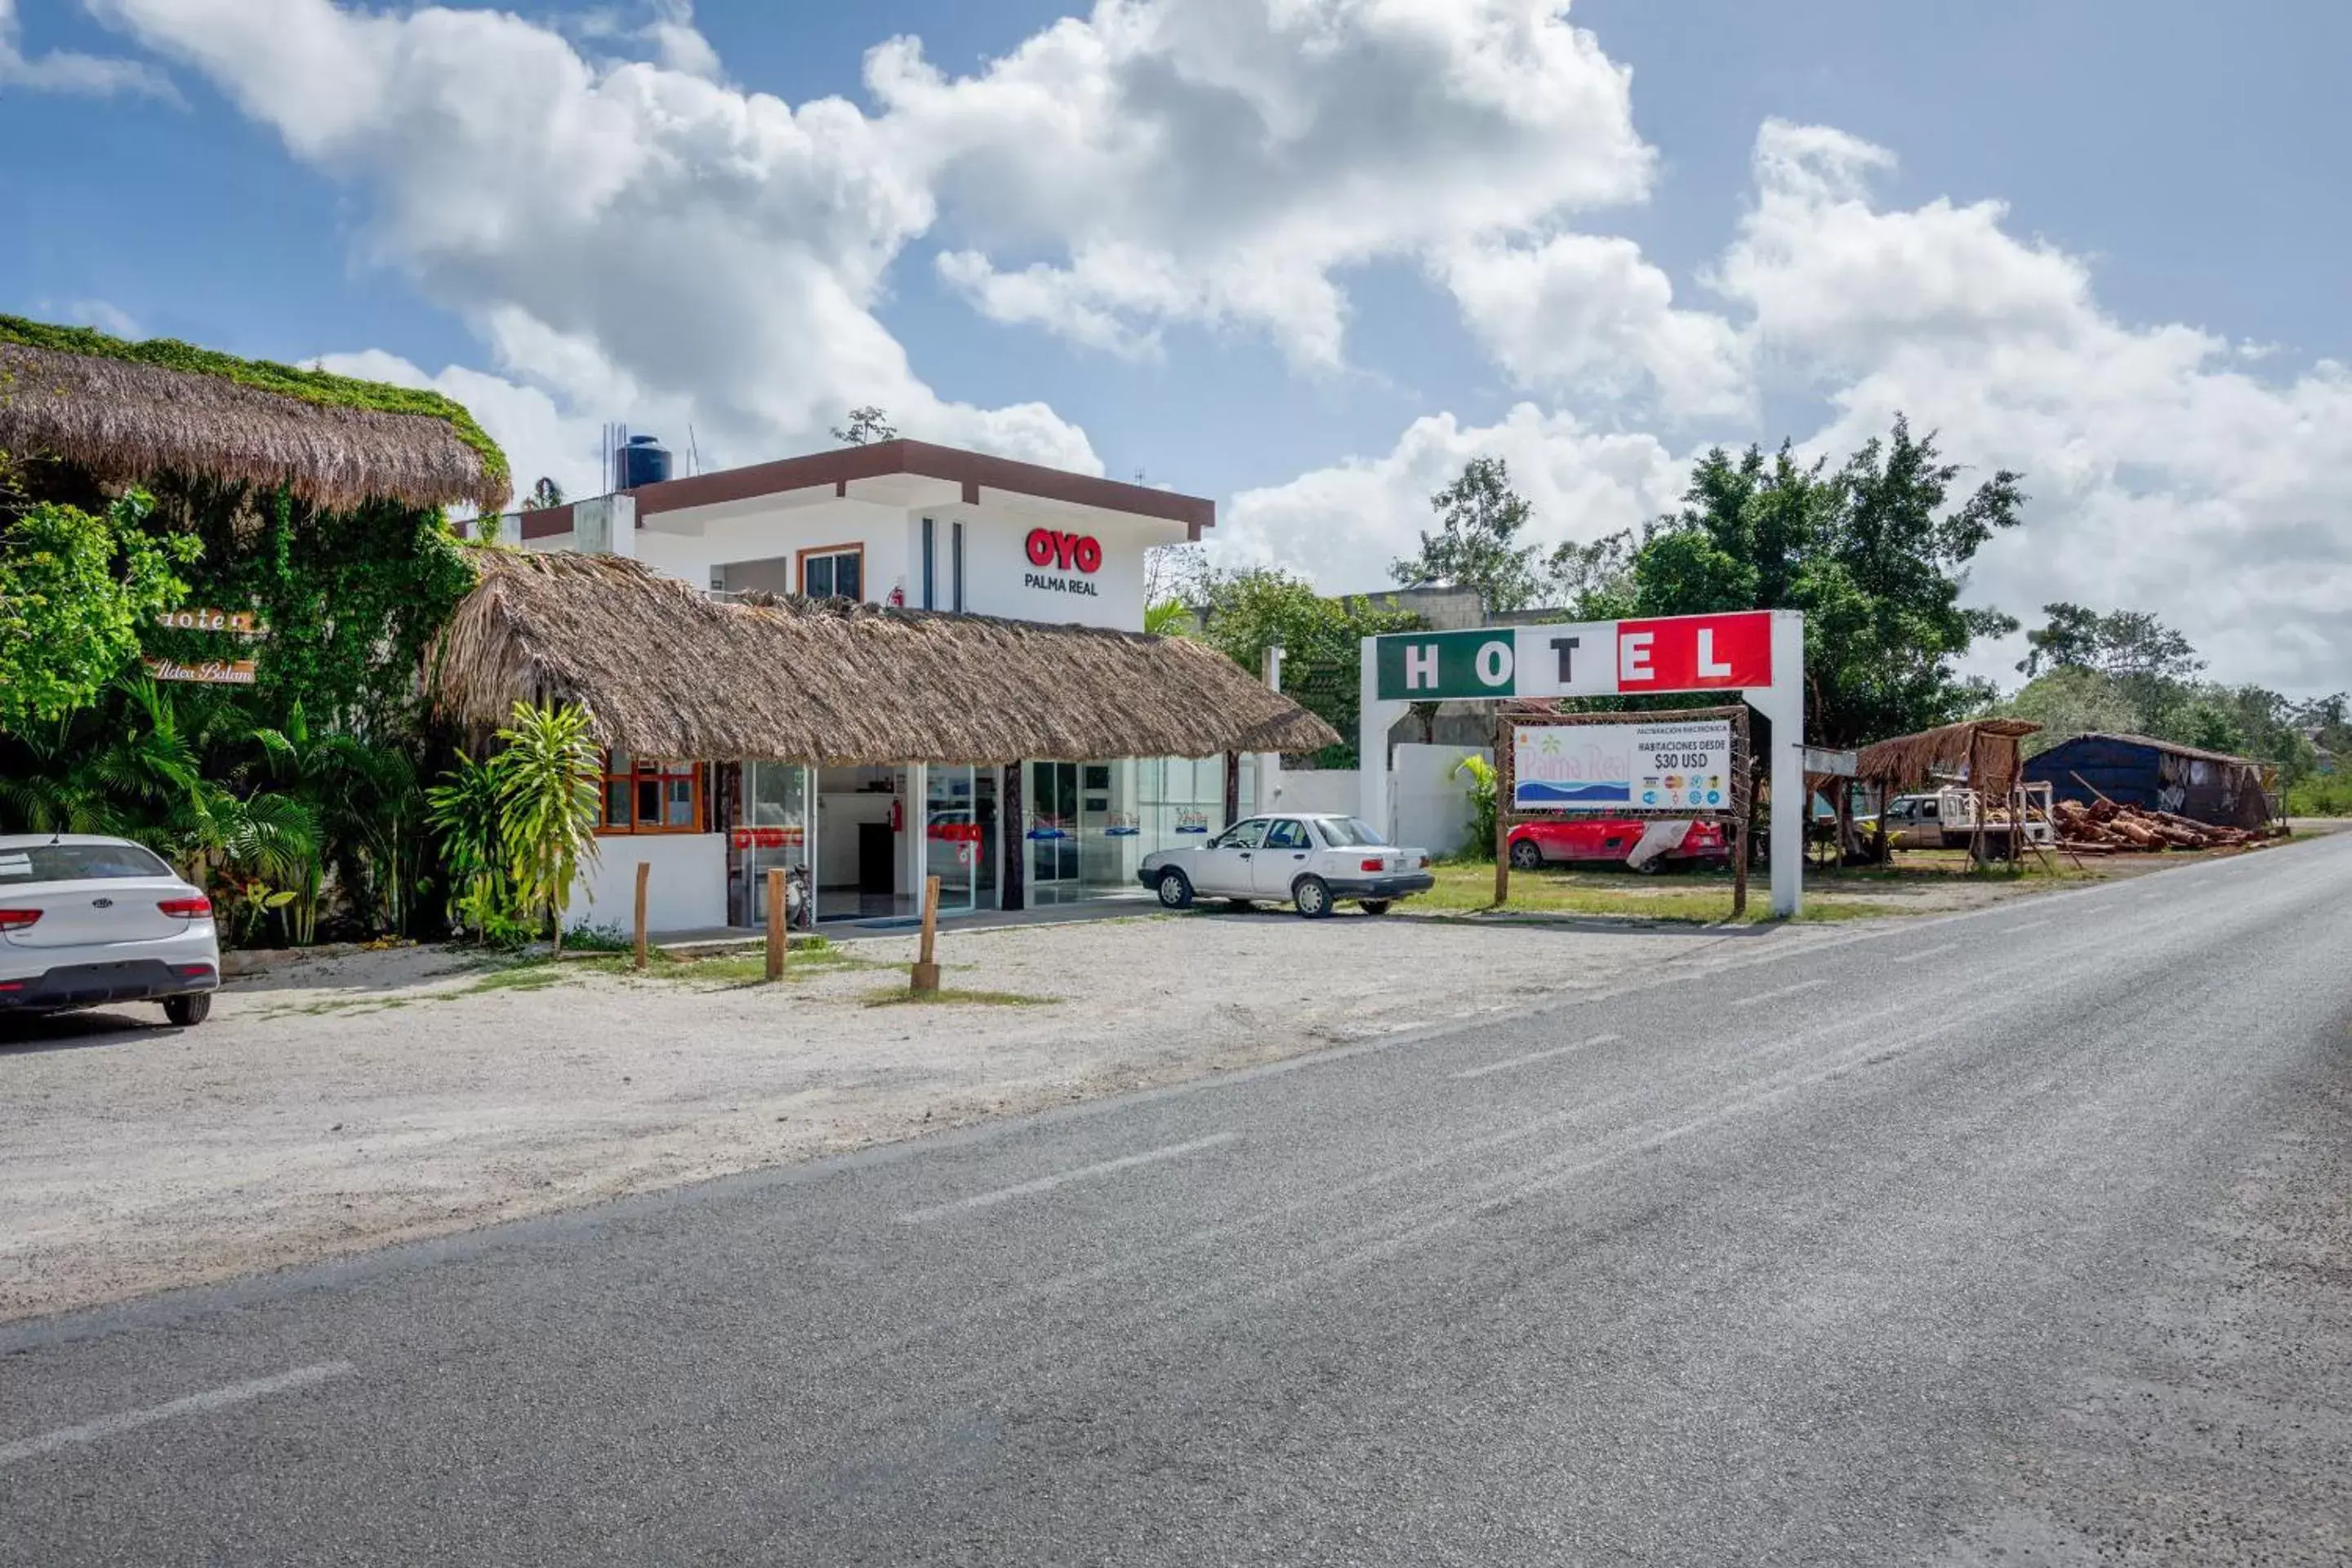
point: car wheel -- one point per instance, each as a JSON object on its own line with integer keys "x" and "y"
{"x": 1376, "y": 906}
{"x": 189, "y": 1011}
{"x": 1526, "y": 855}
{"x": 1650, "y": 866}
{"x": 1313, "y": 897}
{"x": 1175, "y": 889}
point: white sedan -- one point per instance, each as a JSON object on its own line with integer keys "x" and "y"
{"x": 86, "y": 921}
{"x": 1311, "y": 861}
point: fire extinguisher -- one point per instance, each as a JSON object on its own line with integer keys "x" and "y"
{"x": 897, "y": 816}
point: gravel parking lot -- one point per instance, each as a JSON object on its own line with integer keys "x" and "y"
{"x": 340, "y": 1104}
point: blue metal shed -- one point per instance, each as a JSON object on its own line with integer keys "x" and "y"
{"x": 2155, "y": 775}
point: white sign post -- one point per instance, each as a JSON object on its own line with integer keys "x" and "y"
{"x": 1758, "y": 654}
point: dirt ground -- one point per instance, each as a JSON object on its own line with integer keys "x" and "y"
{"x": 338, "y": 1104}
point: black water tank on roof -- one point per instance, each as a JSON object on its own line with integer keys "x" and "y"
{"x": 643, "y": 461}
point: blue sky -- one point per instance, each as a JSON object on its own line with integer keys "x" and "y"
{"x": 2185, "y": 171}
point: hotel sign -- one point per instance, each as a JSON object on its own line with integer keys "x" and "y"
{"x": 203, "y": 671}
{"x": 1661, "y": 765}
{"x": 237, "y": 623}
{"x": 1590, "y": 658}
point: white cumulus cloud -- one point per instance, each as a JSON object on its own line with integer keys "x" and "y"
{"x": 621, "y": 233}
{"x": 1217, "y": 162}
{"x": 65, "y": 70}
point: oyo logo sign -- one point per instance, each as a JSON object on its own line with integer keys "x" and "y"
{"x": 1064, "y": 552}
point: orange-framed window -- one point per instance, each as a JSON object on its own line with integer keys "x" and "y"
{"x": 832, "y": 572}
{"x": 645, "y": 795}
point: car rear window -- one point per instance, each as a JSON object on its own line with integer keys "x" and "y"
{"x": 78, "y": 862}
{"x": 1350, "y": 833}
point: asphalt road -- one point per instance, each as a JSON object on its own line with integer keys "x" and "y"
{"x": 2024, "y": 1237}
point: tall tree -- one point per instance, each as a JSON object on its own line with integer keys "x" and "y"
{"x": 865, "y": 425}
{"x": 1242, "y": 613}
{"x": 1476, "y": 544}
{"x": 2151, "y": 667}
{"x": 1870, "y": 553}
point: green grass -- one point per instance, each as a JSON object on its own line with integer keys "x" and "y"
{"x": 1468, "y": 887}
{"x": 809, "y": 958}
{"x": 897, "y": 996}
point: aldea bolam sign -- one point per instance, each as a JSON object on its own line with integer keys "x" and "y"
{"x": 1590, "y": 658}
{"x": 1758, "y": 654}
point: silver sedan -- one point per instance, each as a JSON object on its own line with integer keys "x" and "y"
{"x": 86, "y": 921}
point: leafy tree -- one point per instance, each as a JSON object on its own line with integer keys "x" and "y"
{"x": 1476, "y": 544}
{"x": 549, "y": 781}
{"x": 1594, "y": 582}
{"x": 865, "y": 425}
{"x": 2068, "y": 702}
{"x": 544, "y": 494}
{"x": 1242, "y": 613}
{"x": 2152, "y": 666}
{"x": 1870, "y": 553}
{"x": 75, "y": 591}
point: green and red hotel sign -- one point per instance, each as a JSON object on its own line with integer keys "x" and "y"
{"x": 1591, "y": 659}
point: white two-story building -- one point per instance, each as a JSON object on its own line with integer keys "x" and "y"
{"x": 936, "y": 531}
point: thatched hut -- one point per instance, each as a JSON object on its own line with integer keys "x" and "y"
{"x": 133, "y": 413}
{"x": 873, "y": 743}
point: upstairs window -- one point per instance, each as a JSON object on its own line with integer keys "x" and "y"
{"x": 835, "y": 572}
{"x": 643, "y": 795}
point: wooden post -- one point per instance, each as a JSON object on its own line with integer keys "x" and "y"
{"x": 776, "y": 924}
{"x": 1739, "y": 868}
{"x": 925, "y": 974}
{"x": 644, "y": 874}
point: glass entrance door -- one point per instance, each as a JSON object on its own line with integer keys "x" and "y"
{"x": 1053, "y": 825}
{"x": 951, "y": 835}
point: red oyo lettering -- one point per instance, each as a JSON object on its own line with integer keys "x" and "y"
{"x": 1064, "y": 552}
{"x": 1695, "y": 653}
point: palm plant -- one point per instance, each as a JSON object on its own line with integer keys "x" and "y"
{"x": 364, "y": 800}
{"x": 464, "y": 813}
{"x": 549, "y": 784}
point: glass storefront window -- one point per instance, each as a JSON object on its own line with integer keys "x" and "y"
{"x": 953, "y": 834}
{"x": 774, "y": 834}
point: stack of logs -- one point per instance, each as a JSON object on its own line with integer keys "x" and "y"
{"x": 2103, "y": 827}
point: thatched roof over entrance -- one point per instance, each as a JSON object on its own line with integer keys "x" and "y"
{"x": 670, "y": 672}
{"x": 131, "y": 412}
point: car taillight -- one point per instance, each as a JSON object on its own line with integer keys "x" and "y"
{"x": 193, "y": 908}
{"x": 17, "y": 919}
{"x": 1376, "y": 865}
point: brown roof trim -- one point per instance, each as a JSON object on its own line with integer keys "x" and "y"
{"x": 972, "y": 470}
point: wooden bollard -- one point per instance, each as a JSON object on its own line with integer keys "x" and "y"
{"x": 775, "y": 925}
{"x": 645, "y": 875}
{"x": 925, "y": 975}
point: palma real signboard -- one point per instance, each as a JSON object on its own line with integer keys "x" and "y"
{"x": 1757, "y": 656}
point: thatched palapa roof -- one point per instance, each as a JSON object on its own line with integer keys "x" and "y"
{"x": 1986, "y": 750}
{"x": 670, "y": 672}
{"x": 131, "y": 412}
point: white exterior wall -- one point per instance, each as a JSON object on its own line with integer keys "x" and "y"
{"x": 687, "y": 889}
{"x": 999, "y": 578}
{"x": 1429, "y": 803}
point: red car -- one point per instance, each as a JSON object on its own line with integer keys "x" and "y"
{"x": 1535, "y": 844}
